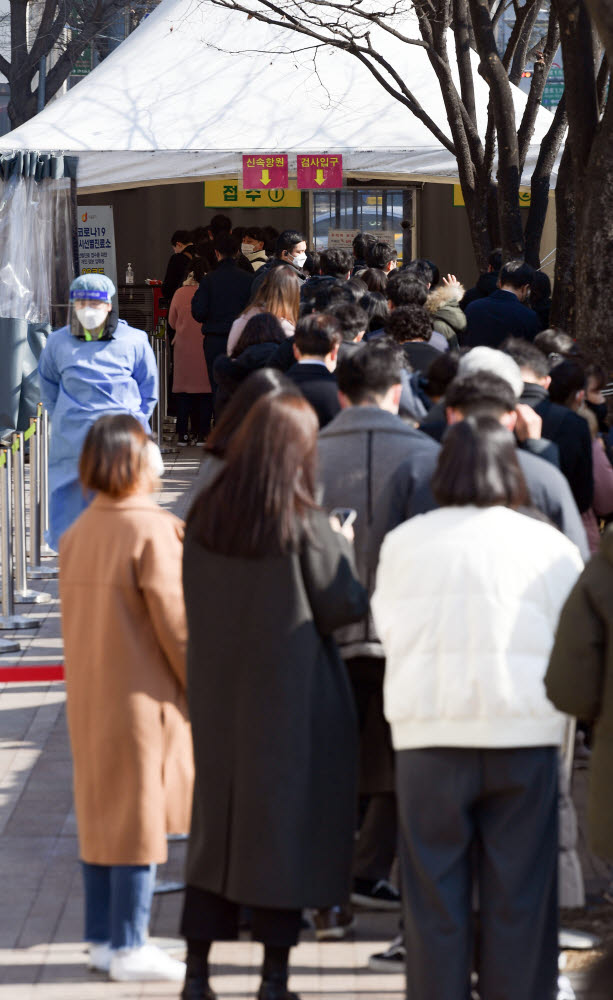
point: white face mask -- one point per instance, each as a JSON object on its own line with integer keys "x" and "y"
{"x": 249, "y": 250}
{"x": 91, "y": 317}
{"x": 300, "y": 259}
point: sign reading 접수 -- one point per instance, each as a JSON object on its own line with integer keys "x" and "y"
{"x": 264, "y": 171}
{"x": 227, "y": 193}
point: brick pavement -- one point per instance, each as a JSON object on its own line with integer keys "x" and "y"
{"x": 41, "y": 953}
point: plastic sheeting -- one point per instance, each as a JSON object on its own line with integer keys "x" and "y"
{"x": 37, "y": 264}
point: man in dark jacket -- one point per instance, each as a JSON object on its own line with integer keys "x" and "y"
{"x": 316, "y": 343}
{"x": 360, "y": 246}
{"x": 549, "y": 491}
{"x": 504, "y": 313}
{"x": 487, "y": 282}
{"x": 221, "y": 296}
{"x": 290, "y": 248}
{"x": 562, "y": 425}
{"x": 179, "y": 263}
{"x": 358, "y": 451}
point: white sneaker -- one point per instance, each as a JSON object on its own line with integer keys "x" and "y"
{"x": 565, "y": 990}
{"x": 145, "y": 964}
{"x": 100, "y": 956}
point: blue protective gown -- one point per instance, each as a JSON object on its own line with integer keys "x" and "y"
{"x": 80, "y": 382}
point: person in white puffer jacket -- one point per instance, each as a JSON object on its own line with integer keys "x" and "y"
{"x": 466, "y": 605}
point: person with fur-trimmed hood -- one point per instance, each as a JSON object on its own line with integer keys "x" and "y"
{"x": 443, "y": 304}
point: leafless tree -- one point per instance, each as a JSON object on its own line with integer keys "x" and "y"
{"x": 584, "y": 206}
{"x": 490, "y": 188}
{"x": 58, "y": 30}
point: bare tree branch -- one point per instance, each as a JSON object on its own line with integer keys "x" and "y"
{"x": 542, "y": 65}
{"x": 541, "y": 182}
{"x": 523, "y": 43}
{"x": 463, "y": 36}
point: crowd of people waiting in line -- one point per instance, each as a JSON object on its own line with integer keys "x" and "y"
{"x": 377, "y": 621}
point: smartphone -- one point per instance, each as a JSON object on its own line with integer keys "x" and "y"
{"x": 345, "y": 515}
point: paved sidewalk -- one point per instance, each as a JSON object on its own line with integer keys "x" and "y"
{"x": 41, "y": 953}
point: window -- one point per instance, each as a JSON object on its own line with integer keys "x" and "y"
{"x": 372, "y": 210}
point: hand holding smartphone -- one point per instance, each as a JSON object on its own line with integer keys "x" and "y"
{"x": 341, "y": 519}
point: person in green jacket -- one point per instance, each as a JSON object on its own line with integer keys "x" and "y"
{"x": 579, "y": 681}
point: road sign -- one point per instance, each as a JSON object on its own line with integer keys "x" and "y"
{"x": 83, "y": 65}
{"x": 264, "y": 171}
{"x": 554, "y": 88}
{"x": 319, "y": 171}
{"x": 227, "y": 193}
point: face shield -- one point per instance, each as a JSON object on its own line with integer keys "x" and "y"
{"x": 87, "y": 314}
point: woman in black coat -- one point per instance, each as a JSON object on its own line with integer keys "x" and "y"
{"x": 267, "y": 580}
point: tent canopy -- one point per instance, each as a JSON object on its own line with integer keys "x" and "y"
{"x": 195, "y": 86}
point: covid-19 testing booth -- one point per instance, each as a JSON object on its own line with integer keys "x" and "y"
{"x": 153, "y": 141}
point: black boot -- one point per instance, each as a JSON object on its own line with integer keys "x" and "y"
{"x": 197, "y": 978}
{"x": 274, "y": 991}
{"x": 274, "y": 975}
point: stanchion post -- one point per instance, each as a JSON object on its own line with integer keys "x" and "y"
{"x": 158, "y": 409}
{"x": 21, "y": 593}
{"x": 6, "y": 645}
{"x": 36, "y": 571}
{"x": 160, "y": 344}
{"x": 44, "y": 482}
{"x": 164, "y": 377}
{"x": 8, "y": 619}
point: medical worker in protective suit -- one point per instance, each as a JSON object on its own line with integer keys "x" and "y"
{"x": 95, "y": 365}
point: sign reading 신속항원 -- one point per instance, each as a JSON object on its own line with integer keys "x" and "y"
{"x": 264, "y": 171}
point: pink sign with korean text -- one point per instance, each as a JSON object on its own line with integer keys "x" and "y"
{"x": 266, "y": 171}
{"x": 319, "y": 170}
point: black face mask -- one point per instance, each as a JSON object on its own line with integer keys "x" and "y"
{"x": 599, "y": 410}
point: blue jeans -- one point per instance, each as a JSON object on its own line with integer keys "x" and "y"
{"x": 118, "y": 903}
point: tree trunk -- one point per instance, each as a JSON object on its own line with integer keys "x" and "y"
{"x": 594, "y": 316}
{"x": 23, "y": 104}
{"x": 563, "y": 299}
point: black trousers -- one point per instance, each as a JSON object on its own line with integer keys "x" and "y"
{"x": 214, "y": 344}
{"x": 491, "y": 816}
{"x": 209, "y": 917}
{"x": 195, "y": 408}
{"x": 376, "y": 845}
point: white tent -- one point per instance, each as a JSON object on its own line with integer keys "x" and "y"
{"x": 195, "y": 86}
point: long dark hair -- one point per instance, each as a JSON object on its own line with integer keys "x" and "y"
{"x": 262, "y": 382}
{"x": 478, "y": 465}
{"x": 260, "y": 502}
{"x": 263, "y": 328}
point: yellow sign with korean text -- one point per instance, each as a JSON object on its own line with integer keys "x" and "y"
{"x": 228, "y": 193}
{"x": 458, "y": 198}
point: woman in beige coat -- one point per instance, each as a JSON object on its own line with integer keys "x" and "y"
{"x": 124, "y": 629}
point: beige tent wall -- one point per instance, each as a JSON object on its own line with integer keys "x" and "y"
{"x": 443, "y": 234}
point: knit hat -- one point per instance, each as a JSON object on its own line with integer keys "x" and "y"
{"x": 487, "y": 359}
{"x": 92, "y": 286}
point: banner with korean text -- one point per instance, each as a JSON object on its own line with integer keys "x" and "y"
{"x": 96, "y": 239}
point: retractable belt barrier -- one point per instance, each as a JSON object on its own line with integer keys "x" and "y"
{"x": 13, "y": 519}
{"x": 39, "y": 492}
{"x": 159, "y": 344}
